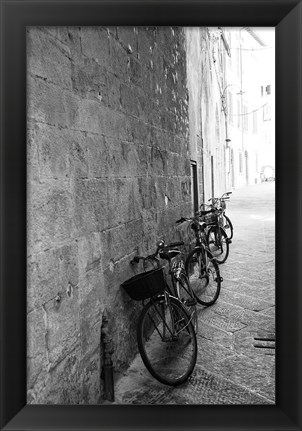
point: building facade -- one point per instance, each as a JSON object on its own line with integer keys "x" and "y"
{"x": 249, "y": 99}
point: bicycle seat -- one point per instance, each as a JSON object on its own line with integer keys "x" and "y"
{"x": 168, "y": 254}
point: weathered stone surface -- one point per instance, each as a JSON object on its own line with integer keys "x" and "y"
{"x": 128, "y": 38}
{"x": 60, "y": 385}
{"x": 95, "y": 44}
{"x": 46, "y": 102}
{"x": 202, "y": 388}
{"x": 90, "y": 318}
{"x": 48, "y": 58}
{"x": 248, "y": 302}
{"x": 89, "y": 80}
{"x": 257, "y": 374}
{"x": 220, "y": 321}
{"x": 109, "y": 173}
{"x": 62, "y": 317}
{"x": 51, "y": 272}
{"x": 37, "y": 359}
{"x": 216, "y": 335}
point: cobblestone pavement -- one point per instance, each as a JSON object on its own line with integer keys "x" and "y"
{"x": 229, "y": 369}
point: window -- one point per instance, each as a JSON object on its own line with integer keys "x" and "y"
{"x": 268, "y": 89}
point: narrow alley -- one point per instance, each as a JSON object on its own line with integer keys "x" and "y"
{"x": 236, "y": 356}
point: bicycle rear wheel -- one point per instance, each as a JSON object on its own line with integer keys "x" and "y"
{"x": 185, "y": 293}
{"x": 218, "y": 243}
{"x": 167, "y": 341}
{"x": 204, "y": 276}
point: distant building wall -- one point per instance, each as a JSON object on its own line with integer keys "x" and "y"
{"x": 108, "y": 175}
{"x": 212, "y": 78}
{"x": 195, "y": 84}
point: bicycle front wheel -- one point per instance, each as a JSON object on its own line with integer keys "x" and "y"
{"x": 204, "y": 276}
{"x": 167, "y": 341}
{"x": 228, "y": 227}
{"x": 184, "y": 292}
{"x": 218, "y": 243}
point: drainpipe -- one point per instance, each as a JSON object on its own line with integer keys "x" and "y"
{"x": 107, "y": 369}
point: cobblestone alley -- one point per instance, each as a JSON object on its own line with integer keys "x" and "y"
{"x": 233, "y": 367}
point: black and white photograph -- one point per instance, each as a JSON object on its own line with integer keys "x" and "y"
{"x": 150, "y": 215}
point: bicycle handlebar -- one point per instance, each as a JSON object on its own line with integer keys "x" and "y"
{"x": 160, "y": 247}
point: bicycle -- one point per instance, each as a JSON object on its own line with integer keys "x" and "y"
{"x": 217, "y": 239}
{"x": 201, "y": 266}
{"x": 224, "y": 220}
{"x": 166, "y": 336}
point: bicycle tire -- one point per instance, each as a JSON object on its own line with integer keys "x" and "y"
{"x": 204, "y": 276}
{"x": 219, "y": 248}
{"x": 170, "y": 358}
{"x": 229, "y": 230}
{"x": 185, "y": 293}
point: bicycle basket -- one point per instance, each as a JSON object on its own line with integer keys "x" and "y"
{"x": 145, "y": 285}
{"x": 210, "y": 218}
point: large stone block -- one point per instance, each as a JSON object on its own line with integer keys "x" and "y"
{"x": 91, "y": 203}
{"x": 139, "y": 131}
{"x": 129, "y": 100}
{"x": 50, "y": 216}
{"x": 37, "y": 360}
{"x": 62, "y": 319}
{"x": 118, "y": 59}
{"x": 46, "y": 102}
{"x": 117, "y": 242}
{"x": 114, "y": 91}
{"x": 33, "y": 168}
{"x": 90, "y": 376}
{"x": 145, "y": 46}
{"x": 89, "y": 80}
{"x": 114, "y": 124}
{"x": 127, "y": 35}
{"x": 62, "y": 153}
{"x": 145, "y": 192}
{"x": 122, "y": 206}
{"x": 158, "y": 160}
{"x": 51, "y": 272}
{"x": 89, "y": 253}
{"x": 48, "y": 58}
{"x": 90, "y": 318}
{"x": 74, "y": 42}
{"x": 61, "y": 385}
{"x": 84, "y": 114}
{"x": 105, "y": 158}
{"x": 135, "y": 71}
{"x": 61, "y": 33}
{"x": 95, "y": 44}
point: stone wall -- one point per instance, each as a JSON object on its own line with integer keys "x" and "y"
{"x": 108, "y": 174}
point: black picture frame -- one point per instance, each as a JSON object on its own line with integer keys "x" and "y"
{"x": 285, "y": 15}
